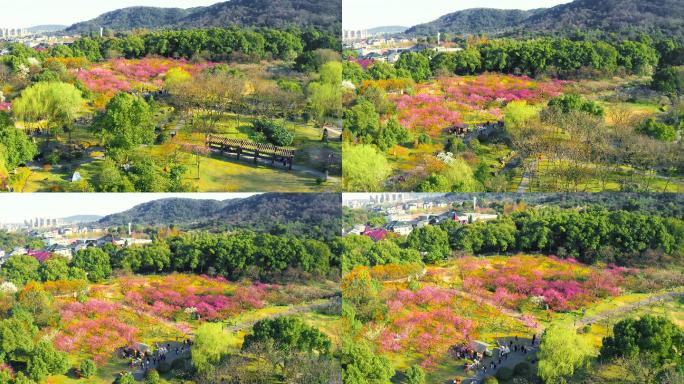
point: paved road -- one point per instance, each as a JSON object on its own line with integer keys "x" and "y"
{"x": 513, "y": 359}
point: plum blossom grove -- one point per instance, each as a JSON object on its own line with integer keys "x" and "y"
{"x": 126, "y": 75}
{"x": 446, "y": 102}
{"x": 95, "y": 327}
{"x": 206, "y": 298}
{"x": 424, "y": 320}
{"x": 560, "y": 285}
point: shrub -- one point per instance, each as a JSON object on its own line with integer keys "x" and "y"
{"x": 126, "y": 378}
{"x": 415, "y": 375}
{"x": 660, "y": 131}
{"x": 504, "y": 373}
{"x": 570, "y": 102}
{"x": 491, "y": 380}
{"x": 178, "y": 364}
{"x": 275, "y": 133}
{"x": 163, "y": 367}
{"x": 88, "y": 368}
{"x": 522, "y": 369}
{"x": 152, "y": 377}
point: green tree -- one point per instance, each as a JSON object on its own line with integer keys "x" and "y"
{"x": 211, "y": 343}
{"x": 95, "y": 262}
{"x": 21, "y": 269}
{"x": 390, "y": 134}
{"x": 152, "y": 377}
{"x": 109, "y": 178}
{"x": 432, "y": 241}
{"x": 45, "y": 360}
{"x": 353, "y": 72}
{"x": 360, "y": 365}
{"x": 434, "y": 183}
{"x": 126, "y": 378}
{"x": 325, "y": 95}
{"x": 381, "y": 71}
{"x": 362, "y": 120}
{"x": 415, "y": 63}
{"x": 657, "y": 130}
{"x": 16, "y": 336}
{"x": 126, "y": 122}
{"x": 20, "y": 378}
{"x": 153, "y": 258}
{"x": 655, "y": 338}
{"x": 669, "y": 80}
{"x": 288, "y": 334}
{"x": 415, "y": 375}
{"x": 87, "y": 368}
{"x": 467, "y": 61}
{"x": 570, "y": 102}
{"x": 15, "y": 144}
{"x": 364, "y": 168}
{"x": 53, "y": 105}
{"x": 39, "y": 304}
{"x": 637, "y": 57}
{"x": 55, "y": 268}
{"x": 561, "y": 353}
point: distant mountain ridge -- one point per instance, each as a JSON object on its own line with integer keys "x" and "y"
{"x": 132, "y": 18}
{"x": 664, "y": 17}
{"x": 81, "y": 219}
{"x": 303, "y": 213}
{"x": 475, "y": 20}
{"x": 326, "y": 15}
{"x": 48, "y": 28}
{"x": 169, "y": 211}
{"x": 388, "y": 29}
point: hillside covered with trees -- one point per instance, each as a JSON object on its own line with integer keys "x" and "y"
{"x": 325, "y": 15}
{"x": 623, "y": 17}
{"x": 314, "y": 215}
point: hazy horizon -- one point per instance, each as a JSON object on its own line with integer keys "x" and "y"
{"x": 367, "y": 14}
{"x": 15, "y": 208}
{"x": 26, "y": 14}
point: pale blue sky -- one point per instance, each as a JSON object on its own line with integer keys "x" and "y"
{"x": 14, "y": 208}
{"x": 28, "y": 13}
{"x": 361, "y": 14}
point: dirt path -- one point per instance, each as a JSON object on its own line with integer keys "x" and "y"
{"x": 627, "y": 308}
{"x": 414, "y": 276}
{"x": 525, "y": 182}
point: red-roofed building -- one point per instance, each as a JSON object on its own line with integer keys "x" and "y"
{"x": 39, "y": 255}
{"x": 376, "y": 234}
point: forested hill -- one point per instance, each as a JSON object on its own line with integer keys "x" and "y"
{"x": 308, "y": 214}
{"x": 662, "y": 17}
{"x": 166, "y": 212}
{"x": 625, "y": 17}
{"x": 474, "y": 21}
{"x": 325, "y": 15}
{"x": 127, "y": 19}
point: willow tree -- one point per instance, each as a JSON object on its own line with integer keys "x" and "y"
{"x": 49, "y": 105}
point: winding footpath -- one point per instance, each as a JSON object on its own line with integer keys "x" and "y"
{"x": 666, "y": 296}
{"x": 184, "y": 352}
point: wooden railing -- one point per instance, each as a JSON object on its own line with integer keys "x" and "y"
{"x": 253, "y": 149}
